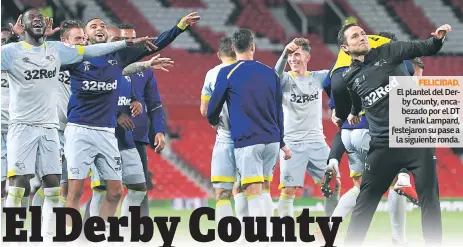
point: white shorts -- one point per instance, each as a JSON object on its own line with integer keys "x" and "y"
{"x": 64, "y": 167}
{"x": 357, "y": 144}
{"x": 256, "y": 163}
{"x": 90, "y": 148}
{"x": 132, "y": 170}
{"x": 33, "y": 150}
{"x": 307, "y": 157}
{"x": 223, "y": 166}
{"x": 4, "y": 162}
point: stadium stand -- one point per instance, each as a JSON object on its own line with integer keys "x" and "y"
{"x": 193, "y": 55}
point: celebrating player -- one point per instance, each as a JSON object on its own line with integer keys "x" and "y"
{"x": 223, "y": 167}
{"x": 252, "y": 91}
{"x": 33, "y": 140}
{"x": 383, "y": 163}
{"x": 302, "y": 108}
{"x": 92, "y": 112}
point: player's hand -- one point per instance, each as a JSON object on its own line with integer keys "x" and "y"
{"x": 18, "y": 27}
{"x": 291, "y": 47}
{"x": 337, "y": 121}
{"x": 125, "y": 122}
{"x": 190, "y": 19}
{"x": 143, "y": 40}
{"x": 288, "y": 153}
{"x": 49, "y": 31}
{"x": 353, "y": 120}
{"x": 159, "y": 142}
{"x": 161, "y": 63}
{"x": 442, "y": 31}
{"x": 136, "y": 107}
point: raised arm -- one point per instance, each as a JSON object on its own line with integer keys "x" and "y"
{"x": 407, "y": 50}
{"x": 156, "y": 62}
{"x": 131, "y": 55}
{"x": 281, "y": 63}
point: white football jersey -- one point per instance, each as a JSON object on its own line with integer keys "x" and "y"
{"x": 5, "y": 101}
{"x": 63, "y": 92}
{"x": 302, "y": 106}
{"x": 223, "y": 128}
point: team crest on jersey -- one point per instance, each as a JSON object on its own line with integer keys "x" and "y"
{"x": 141, "y": 74}
{"x": 26, "y": 59}
{"x": 112, "y": 62}
{"x": 358, "y": 80}
{"x": 86, "y": 65}
{"x": 128, "y": 78}
{"x": 380, "y": 63}
{"x": 50, "y": 57}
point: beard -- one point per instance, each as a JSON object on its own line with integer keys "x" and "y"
{"x": 35, "y": 35}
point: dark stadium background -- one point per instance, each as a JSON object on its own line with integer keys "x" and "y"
{"x": 181, "y": 171}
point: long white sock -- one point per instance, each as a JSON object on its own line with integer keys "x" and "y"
{"x": 331, "y": 203}
{"x": 403, "y": 179}
{"x": 133, "y": 198}
{"x": 97, "y": 200}
{"x": 38, "y": 198}
{"x": 256, "y": 206}
{"x": 346, "y": 203}
{"x": 15, "y": 195}
{"x": 286, "y": 205}
{"x": 48, "y": 216}
{"x": 62, "y": 201}
{"x": 397, "y": 206}
{"x": 268, "y": 209}
{"x": 241, "y": 209}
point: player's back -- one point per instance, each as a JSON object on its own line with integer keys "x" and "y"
{"x": 63, "y": 93}
{"x": 32, "y": 81}
{"x": 94, "y": 93}
{"x": 5, "y": 101}
{"x": 255, "y": 92}
{"x": 223, "y": 128}
{"x": 302, "y": 106}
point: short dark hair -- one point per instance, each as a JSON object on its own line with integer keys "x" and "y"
{"x": 341, "y": 36}
{"x": 68, "y": 25}
{"x": 27, "y": 9}
{"x": 91, "y": 19}
{"x": 125, "y": 26}
{"x": 225, "y": 47}
{"x": 304, "y": 43}
{"x": 242, "y": 40}
{"x": 388, "y": 34}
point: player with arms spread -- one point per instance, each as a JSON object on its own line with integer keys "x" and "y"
{"x": 33, "y": 140}
{"x": 302, "y": 108}
{"x": 92, "y": 112}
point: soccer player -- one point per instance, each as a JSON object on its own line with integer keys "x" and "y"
{"x": 7, "y": 37}
{"x": 223, "y": 167}
{"x": 92, "y": 113}
{"x": 33, "y": 140}
{"x": 302, "y": 108}
{"x": 152, "y": 117}
{"x": 383, "y": 163}
{"x": 71, "y": 33}
{"x": 253, "y": 94}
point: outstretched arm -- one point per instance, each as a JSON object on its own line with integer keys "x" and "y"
{"x": 155, "y": 62}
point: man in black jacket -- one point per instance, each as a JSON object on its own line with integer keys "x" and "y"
{"x": 368, "y": 82}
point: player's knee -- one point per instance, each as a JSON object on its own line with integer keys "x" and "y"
{"x": 21, "y": 182}
{"x": 253, "y": 189}
{"x": 64, "y": 189}
{"x": 3, "y": 191}
{"x": 237, "y": 189}
{"x": 266, "y": 185}
{"x": 137, "y": 187}
{"x": 224, "y": 194}
{"x": 114, "y": 195}
{"x": 289, "y": 191}
{"x": 50, "y": 181}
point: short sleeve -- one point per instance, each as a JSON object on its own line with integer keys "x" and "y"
{"x": 8, "y": 54}
{"x": 206, "y": 92}
{"x": 321, "y": 75}
{"x": 69, "y": 54}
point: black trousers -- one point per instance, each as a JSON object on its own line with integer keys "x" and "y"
{"x": 337, "y": 148}
{"x": 382, "y": 165}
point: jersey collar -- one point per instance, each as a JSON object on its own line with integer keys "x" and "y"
{"x": 27, "y": 46}
{"x": 307, "y": 74}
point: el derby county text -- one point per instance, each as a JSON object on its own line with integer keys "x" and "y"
{"x": 94, "y": 228}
